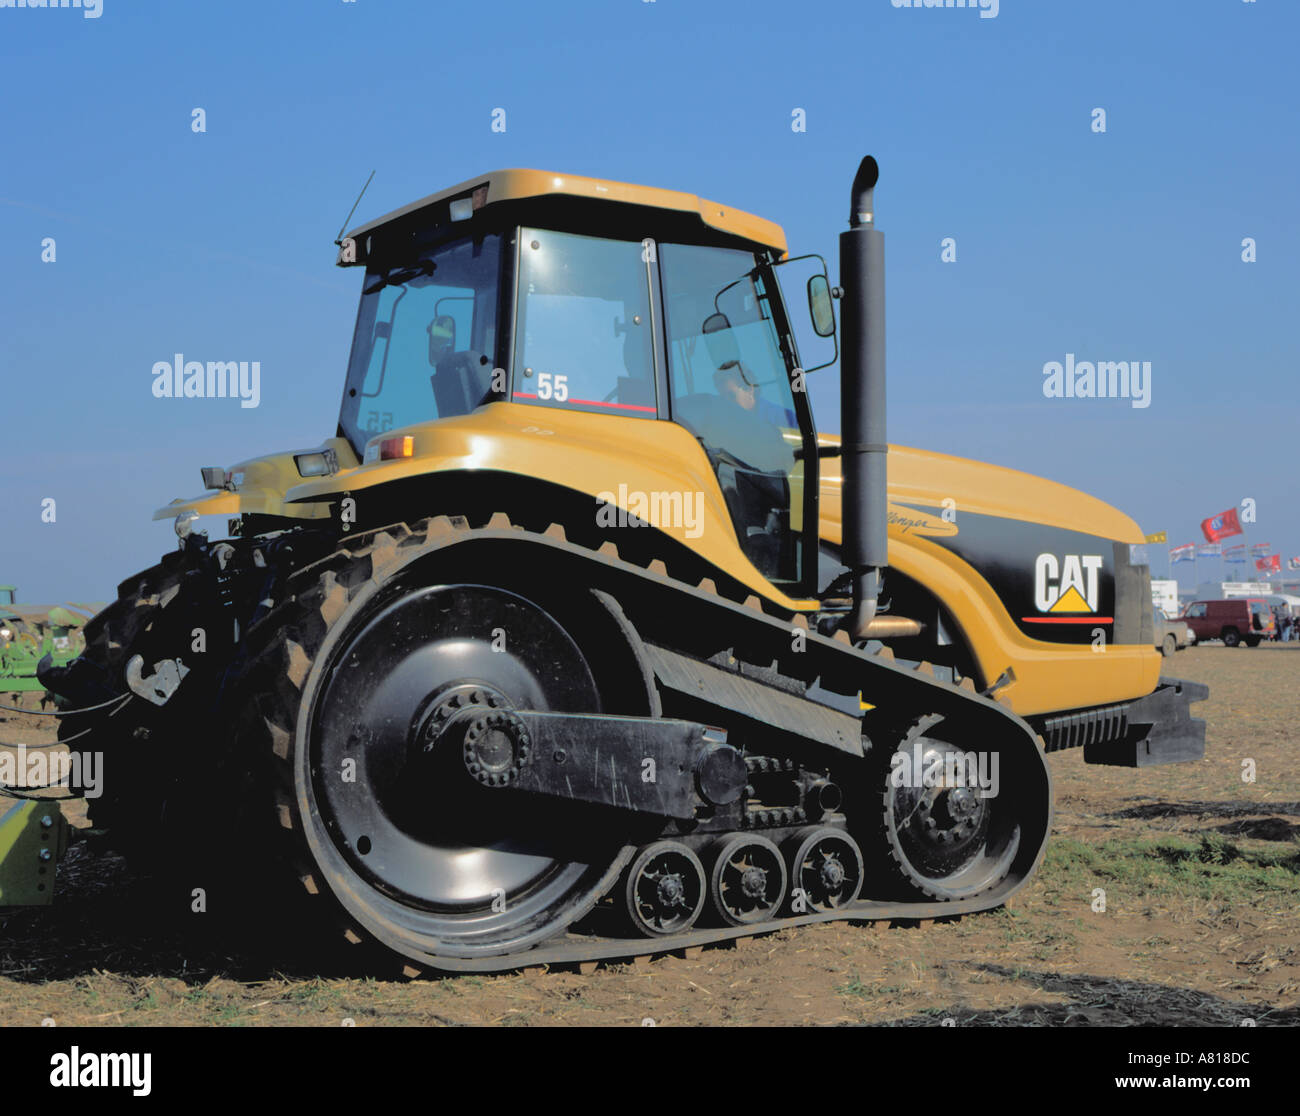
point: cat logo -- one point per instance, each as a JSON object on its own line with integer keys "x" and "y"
{"x": 1068, "y": 590}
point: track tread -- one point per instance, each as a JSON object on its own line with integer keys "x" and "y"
{"x": 318, "y": 594}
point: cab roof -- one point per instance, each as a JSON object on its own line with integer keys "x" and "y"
{"x": 519, "y": 184}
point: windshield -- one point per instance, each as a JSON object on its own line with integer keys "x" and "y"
{"x": 425, "y": 341}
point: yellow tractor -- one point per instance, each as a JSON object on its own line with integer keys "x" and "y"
{"x": 578, "y": 640}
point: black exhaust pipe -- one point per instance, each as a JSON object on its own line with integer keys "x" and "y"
{"x": 863, "y": 455}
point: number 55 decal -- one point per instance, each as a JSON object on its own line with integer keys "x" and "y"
{"x": 552, "y": 386}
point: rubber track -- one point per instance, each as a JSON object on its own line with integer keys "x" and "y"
{"x": 691, "y": 619}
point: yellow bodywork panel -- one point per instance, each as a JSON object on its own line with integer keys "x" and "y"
{"x": 623, "y": 460}
{"x": 627, "y": 462}
{"x": 259, "y": 486}
{"x": 1048, "y": 676}
{"x": 515, "y": 184}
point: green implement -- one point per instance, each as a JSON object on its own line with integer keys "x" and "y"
{"x": 30, "y": 632}
{"x": 33, "y": 836}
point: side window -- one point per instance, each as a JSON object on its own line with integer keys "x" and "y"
{"x": 1196, "y": 612}
{"x": 585, "y": 339}
{"x": 415, "y": 328}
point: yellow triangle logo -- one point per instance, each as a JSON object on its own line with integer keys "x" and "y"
{"x": 1070, "y": 601}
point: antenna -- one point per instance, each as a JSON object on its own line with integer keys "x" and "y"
{"x": 344, "y": 228}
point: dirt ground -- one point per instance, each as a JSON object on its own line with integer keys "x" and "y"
{"x": 1200, "y": 871}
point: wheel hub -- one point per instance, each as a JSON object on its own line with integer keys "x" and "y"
{"x": 496, "y": 745}
{"x": 832, "y": 873}
{"x": 671, "y": 891}
{"x": 753, "y": 882}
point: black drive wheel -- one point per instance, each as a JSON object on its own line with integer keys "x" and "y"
{"x": 665, "y": 889}
{"x": 945, "y": 834}
{"x": 748, "y": 880}
{"x": 421, "y": 843}
{"x": 1231, "y": 637}
{"x": 1169, "y": 647}
{"x": 825, "y": 869}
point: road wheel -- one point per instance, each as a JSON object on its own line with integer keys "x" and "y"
{"x": 1231, "y": 637}
{"x": 941, "y": 834}
{"x": 355, "y": 698}
{"x": 1169, "y": 647}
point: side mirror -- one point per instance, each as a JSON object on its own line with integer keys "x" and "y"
{"x": 814, "y": 335}
{"x": 819, "y": 305}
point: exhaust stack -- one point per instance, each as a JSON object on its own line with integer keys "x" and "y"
{"x": 862, "y": 401}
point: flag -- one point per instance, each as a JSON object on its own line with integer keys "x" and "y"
{"x": 1184, "y": 553}
{"x": 1221, "y": 526}
{"x": 1260, "y": 550}
{"x": 1158, "y": 537}
{"x": 1208, "y": 550}
{"x": 1271, "y": 564}
{"x": 1235, "y": 554}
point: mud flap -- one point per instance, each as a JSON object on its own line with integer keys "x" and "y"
{"x": 1161, "y": 729}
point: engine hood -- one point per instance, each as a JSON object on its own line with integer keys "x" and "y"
{"x": 924, "y": 485}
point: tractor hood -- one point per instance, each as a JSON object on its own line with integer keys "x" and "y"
{"x": 929, "y": 492}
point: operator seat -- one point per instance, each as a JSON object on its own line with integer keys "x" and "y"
{"x": 461, "y": 382}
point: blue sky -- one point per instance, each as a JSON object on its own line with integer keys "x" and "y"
{"x": 1114, "y": 246}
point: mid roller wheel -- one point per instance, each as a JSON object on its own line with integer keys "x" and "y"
{"x": 825, "y": 869}
{"x": 665, "y": 889}
{"x": 747, "y": 884}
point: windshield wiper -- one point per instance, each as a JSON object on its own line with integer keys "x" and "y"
{"x": 402, "y": 275}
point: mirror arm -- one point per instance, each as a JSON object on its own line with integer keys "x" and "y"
{"x": 822, "y": 451}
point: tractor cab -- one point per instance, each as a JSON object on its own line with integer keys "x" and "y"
{"x": 616, "y": 301}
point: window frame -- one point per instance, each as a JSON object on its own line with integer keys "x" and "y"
{"x": 504, "y": 326}
{"x": 765, "y": 260}
{"x": 654, "y": 301}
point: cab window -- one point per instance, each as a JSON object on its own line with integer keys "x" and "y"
{"x": 584, "y": 338}
{"x": 1196, "y": 612}
{"x": 731, "y": 389}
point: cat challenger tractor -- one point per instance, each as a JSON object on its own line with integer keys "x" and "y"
{"x": 577, "y": 641}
